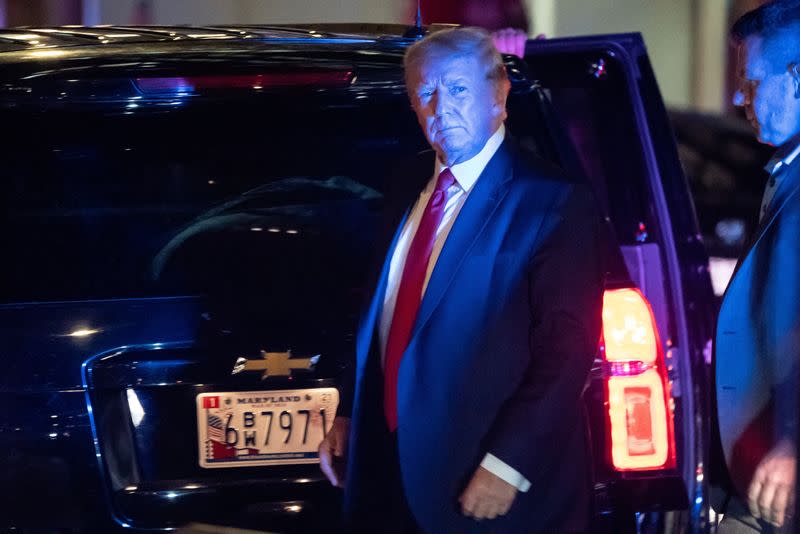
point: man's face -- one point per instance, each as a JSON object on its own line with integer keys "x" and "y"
{"x": 456, "y": 105}
{"x": 767, "y": 91}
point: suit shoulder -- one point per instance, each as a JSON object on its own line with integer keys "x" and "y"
{"x": 535, "y": 175}
{"x": 531, "y": 165}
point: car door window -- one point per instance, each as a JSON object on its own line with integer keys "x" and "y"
{"x": 106, "y": 204}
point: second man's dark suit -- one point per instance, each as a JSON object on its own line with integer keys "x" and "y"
{"x": 757, "y": 348}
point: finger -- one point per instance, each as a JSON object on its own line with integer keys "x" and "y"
{"x": 753, "y": 495}
{"x": 503, "y": 40}
{"x": 541, "y": 36}
{"x": 492, "y": 511}
{"x": 508, "y": 43}
{"x": 326, "y": 464}
{"x": 482, "y": 508}
{"x": 324, "y": 450}
{"x": 765, "y": 500}
{"x": 338, "y": 447}
{"x": 467, "y": 503}
{"x": 504, "y": 508}
{"x": 497, "y": 44}
{"x": 779, "y": 504}
{"x": 521, "y": 38}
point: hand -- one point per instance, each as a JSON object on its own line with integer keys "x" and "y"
{"x": 333, "y": 451}
{"x": 510, "y": 41}
{"x": 487, "y": 496}
{"x": 772, "y": 489}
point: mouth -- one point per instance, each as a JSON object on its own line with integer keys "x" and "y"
{"x": 446, "y": 130}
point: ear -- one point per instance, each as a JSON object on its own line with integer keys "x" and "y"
{"x": 502, "y": 97}
{"x": 794, "y": 70}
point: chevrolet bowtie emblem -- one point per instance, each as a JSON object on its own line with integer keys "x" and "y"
{"x": 275, "y": 364}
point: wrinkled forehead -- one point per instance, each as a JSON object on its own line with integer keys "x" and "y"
{"x": 436, "y": 68}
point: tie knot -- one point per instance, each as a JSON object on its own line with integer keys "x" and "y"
{"x": 445, "y": 180}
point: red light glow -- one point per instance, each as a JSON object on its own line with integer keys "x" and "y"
{"x": 640, "y": 426}
{"x": 301, "y": 78}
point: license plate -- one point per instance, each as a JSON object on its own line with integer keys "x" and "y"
{"x": 252, "y": 428}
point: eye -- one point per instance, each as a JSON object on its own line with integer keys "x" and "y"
{"x": 457, "y": 89}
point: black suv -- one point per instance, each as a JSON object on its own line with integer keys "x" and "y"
{"x": 188, "y": 216}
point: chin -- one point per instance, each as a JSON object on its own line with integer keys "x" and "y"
{"x": 775, "y": 137}
{"x": 766, "y": 139}
{"x": 451, "y": 149}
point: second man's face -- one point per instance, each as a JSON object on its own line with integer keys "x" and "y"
{"x": 456, "y": 105}
{"x": 767, "y": 92}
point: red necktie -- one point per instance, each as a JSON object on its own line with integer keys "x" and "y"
{"x": 409, "y": 293}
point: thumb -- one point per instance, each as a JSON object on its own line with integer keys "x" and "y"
{"x": 339, "y": 444}
{"x": 339, "y": 435}
{"x": 326, "y": 465}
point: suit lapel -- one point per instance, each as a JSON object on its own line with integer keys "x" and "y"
{"x": 789, "y": 186}
{"x": 481, "y": 203}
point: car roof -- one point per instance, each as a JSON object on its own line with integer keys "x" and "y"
{"x": 105, "y": 38}
{"x": 45, "y": 52}
{"x": 34, "y": 55}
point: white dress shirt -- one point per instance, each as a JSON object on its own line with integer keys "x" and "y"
{"x": 776, "y": 169}
{"x": 466, "y": 174}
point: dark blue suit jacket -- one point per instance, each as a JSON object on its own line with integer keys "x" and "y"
{"x": 757, "y": 346}
{"x": 500, "y": 354}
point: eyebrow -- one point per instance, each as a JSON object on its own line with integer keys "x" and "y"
{"x": 456, "y": 79}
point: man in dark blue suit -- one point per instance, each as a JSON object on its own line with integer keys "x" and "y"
{"x": 472, "y": 357}
{"x": 757, "y": 346}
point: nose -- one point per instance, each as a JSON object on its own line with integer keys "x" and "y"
{"x": 440, "y": 103}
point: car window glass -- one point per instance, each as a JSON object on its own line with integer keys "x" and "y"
{"x": 724, "y": 165}
{"x": 593, "y": 107}
{"x": 106, "y": 205}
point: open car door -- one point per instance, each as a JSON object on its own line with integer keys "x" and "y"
{"x": 647, "y": 404}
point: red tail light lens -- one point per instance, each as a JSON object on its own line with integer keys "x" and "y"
{"x": 188, "y": 84}
{"x": 640, "y": 425}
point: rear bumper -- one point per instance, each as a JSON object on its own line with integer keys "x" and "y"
{"x": 286, "y": 505}
{"x": 642, "y": 494}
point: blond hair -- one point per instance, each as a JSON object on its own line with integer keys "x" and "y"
{"x": 457, "y": 42}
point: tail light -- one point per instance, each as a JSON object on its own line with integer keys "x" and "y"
{"x": 640, "y": 426}
{"x": 301, "y": 78}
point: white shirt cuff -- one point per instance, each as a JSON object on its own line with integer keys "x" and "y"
{"x": 499, "y": 468}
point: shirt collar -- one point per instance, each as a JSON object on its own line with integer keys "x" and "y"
{"x": 466, "y": 173}
{"x": 784, "y": 156}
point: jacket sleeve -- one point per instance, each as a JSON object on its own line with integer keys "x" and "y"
{"x": 565, "y": 289}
